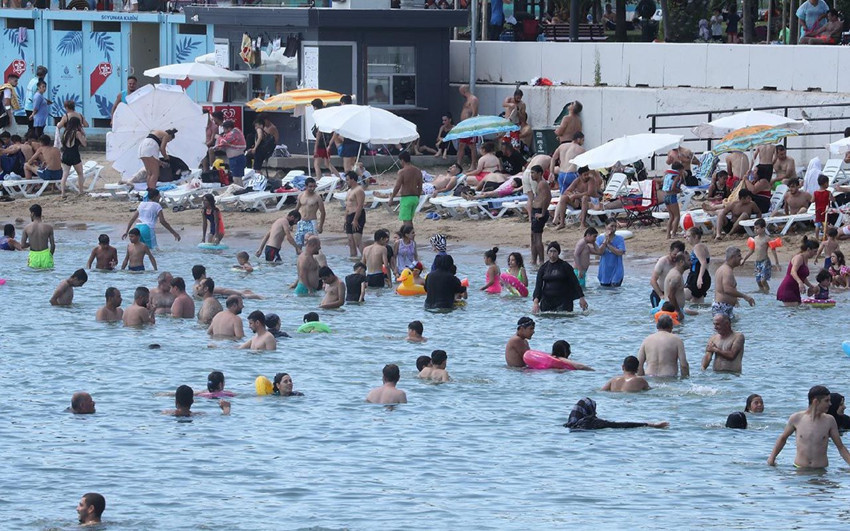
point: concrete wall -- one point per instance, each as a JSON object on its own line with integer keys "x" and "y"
{"x": 755, "y": 67}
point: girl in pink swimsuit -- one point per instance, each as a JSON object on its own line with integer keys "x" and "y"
{"x": 493, "y": 284}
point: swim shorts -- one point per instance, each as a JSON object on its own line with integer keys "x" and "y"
{"x": 762, "y": 270}
{"x": 349, "y": 223}
{"x": 321, "y": 153}
{"x": 827, "y": 262}
{"x": 723, "y": 308}
{"x": 581, "y": 276}
{"x": 654, "y": 299}
{"x": 304, "y": 228}
{"x": 376, "y": 280}
{"x": 50, "y": 175}
{"x": 565, "y": 179}
{"x": 40, "y": 259}
{"x": 349, "y": 148}
{"x": 237, "y": 165}
{"x": 407, "y": 207}
{"x": 537, "y": 225}
{"x": 301, "y": 290}
{"x": 670, "y": 199}
{"x": 136, "y": 268}
{"x": 272, "y": 254}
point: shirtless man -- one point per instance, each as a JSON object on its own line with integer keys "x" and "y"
{"x": 518, "y": 343}
{"x": 308, "y": 268}
{"x": 161, "y": 296}
{"x": 309, "y": 205}
{"x": 228, "y": 324}
{"x": 560, "y": 165}
{"x": 262, "y": 339}
{"x": 64, "y": 294}
{"x": 183, "y": 400}
{"x": 797, "y": 201}
{"x": 581, "y": 255}
{"x": 663, "y": 352}
{"x": 742, "y": 209}
{"x": 183, "y": 306}
{"x": 674, "y": 286}
{"x": 105, "y": 255}
{"x": 415, "y": 329}
{"x": 199, "y": 273}
{"x": 470, "y": 109}
{"x": 141, "y": 311}
{"x": 683, "y": 155}
{"x": 38, "y": 237}
{"x": 355, "y": 214}
{"x": 46, "y": 162}
{"x": 814, "y": 427}
{"x": 388, "y": 394}
{"x": 784, "y": 166}
{"x": 579, "y": 194}
{"x": 726, "y": 292}
{"x": 112, "y": 310}
{"x": 538, "y": 215}
{"x": 210, "y": 307}
{"x": 375, "y": 258}
{"x": 281, "y": 229}
{"x": 726, "y": 346}
{"x": 448, "y": 182}
{"x": 629, "y": 382}
{"x": 737, "y": 165}
{"x": 408, "y": 186}
{"x": 334, "y": 289}
{"x": 437, "y": 371}
{"x": 659, "y": 273}
{"x": 514, "y": 106}
{"x": 765, "y": 154}
{"x": 570, "y": 124}
{"x": 136, "y": 252}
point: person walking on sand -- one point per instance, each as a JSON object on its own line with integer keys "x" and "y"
{"x": 153, "y": 148}
{"x": 408, "y": 186}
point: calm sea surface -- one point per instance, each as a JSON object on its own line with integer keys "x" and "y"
{"x": 486, "y": 451}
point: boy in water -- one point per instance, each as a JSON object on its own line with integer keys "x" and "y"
{"x": 437, "y": 371}
{"x": 414, "y": 332}
{"x": 584, "y": 248}
{"x": 355, "y": 284}
{"x": 629, "y": 382}
{"x": 814, "y": 427}
{"x": 136, "y": 252}
{"x": 64, "y": 294}
{"x": 105, "y": 254}
{"x": 334, "y": 289}
{"x": 376, "y": 260}
{"x": 244, "y": 262}
{"x": 8, "y": 241}
{"x": 827, "y": 247}
{"x": 760, "y": 248}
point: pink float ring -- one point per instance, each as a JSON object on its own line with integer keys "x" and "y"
{"x": 541, "y": 360}
{"x": 513, "y": 284}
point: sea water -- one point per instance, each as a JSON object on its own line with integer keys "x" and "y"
{"x": 485, "y": 451}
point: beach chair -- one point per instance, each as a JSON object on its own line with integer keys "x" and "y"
{"x": 685, "y": 199}
{"x": 834, "y": 170}
{"x": 91, "y": 173}
{"x": 777, "y": 199}
{"x": 26, "y": 188}
{"x": 640, "y": 211}
{"x": 787, "y": 221}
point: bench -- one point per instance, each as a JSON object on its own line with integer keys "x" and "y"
{"x": 586, "y": 32}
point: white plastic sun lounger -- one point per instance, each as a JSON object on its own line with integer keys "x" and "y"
{"x": 26, "y": 188}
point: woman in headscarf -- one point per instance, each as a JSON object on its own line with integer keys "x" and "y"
{"x": 442, "y": 287}
{"x": 836, "y": 409}
{"x": 557, "y": 285}
{"x": 583, "y": 417}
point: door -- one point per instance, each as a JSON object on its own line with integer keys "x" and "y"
{"x": 65, "y": 65}
{"x": 102, "y": 67}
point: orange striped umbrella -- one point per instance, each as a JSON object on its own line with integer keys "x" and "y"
{"x": 294, "y": 98}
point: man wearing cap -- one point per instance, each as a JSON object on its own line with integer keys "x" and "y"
{"x": 518, "y": 344}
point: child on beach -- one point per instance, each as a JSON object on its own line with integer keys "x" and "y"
{"x": 105, "y": 254}
{"x": 136, "y": 252}
{"x": 822, "y": 199}
{"x": 763, "y": 265}
{"x": 211, "y": 216}
{"x": 838, "y": 269}
{"x": 821, "y": 290}
{"x": 244, "y": 262}
{"x": 494, "y": 284}
{"x": 581, "y": 256}
{"x": 516, "y": 268}
{"x": 828, "y": 246}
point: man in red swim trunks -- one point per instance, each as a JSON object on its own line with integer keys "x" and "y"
{"x": 321, "y": 152}
{"x": 470, "y": 109}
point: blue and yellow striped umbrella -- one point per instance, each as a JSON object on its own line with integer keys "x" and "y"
{"x": 749, "y": 137}
{"x": 481, "y": 126}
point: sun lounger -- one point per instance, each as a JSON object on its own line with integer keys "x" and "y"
{"x": 26, "y": 188}
{"x": 91, "y": 173}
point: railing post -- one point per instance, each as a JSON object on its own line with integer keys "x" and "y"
{"x": 652, "y": 158}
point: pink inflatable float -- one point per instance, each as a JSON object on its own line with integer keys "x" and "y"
{"x": 541, "y": 360}
{"x": 512, "y": 284}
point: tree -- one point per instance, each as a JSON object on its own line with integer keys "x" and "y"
{"x": 620, "y": 21}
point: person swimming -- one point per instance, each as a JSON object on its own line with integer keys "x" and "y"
{"x": 737, "y": 420}
{"x": 215, "y": 386}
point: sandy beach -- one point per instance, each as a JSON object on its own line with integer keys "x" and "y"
{"x": 509, "y": 233}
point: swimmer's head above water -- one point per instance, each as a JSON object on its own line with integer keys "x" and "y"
{"x": 311, "y": 317}
{"x": 215, "y": 381}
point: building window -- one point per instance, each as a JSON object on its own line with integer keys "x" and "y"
{"x": 391, "y": 75}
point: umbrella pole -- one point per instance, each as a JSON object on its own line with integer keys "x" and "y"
{"x": 307, "y": 141}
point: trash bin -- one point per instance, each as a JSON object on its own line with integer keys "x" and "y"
{"x": 545, "y": 141}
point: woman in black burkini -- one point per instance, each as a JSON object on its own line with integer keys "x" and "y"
{"x": 583, "y": 417}
{"x": 441, "y": 284}
{"x": 836, "y": 409}
{"x": 557, "y": 285}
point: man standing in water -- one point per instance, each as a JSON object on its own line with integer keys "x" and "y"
{"x": 161, "y": 296}
{"x": 518, "y": 344}
{"x": 726, "y": 346}
{"x": 64, "y": 294}
{"x": 674, "y": 286}
{"x": 470, "y": 109}
{"x": 663, "y": 352}
{"x": 538, "y": 215}
{"x": 210, "y": 307}
{"x": 308, "y": 268}
{"x": 228, "y": 323}
{"x": 183, "y": 306}
{"x": 659, "y": 273}
{"x": 281, "y": 229}
{"x": 814, "y": 427}
{"x": 387, "y": 394}
{"x": 141, "y": 311}
{"x": 408, "y": 185}
{"x": 38, "y": 236}
{"x": 263, "y": 339}
{"x": 112, "y": 310}
{"x": 355, "y": 214}
{"x": 90, "y": 509}
{"x": 309, "y": 205}
{"x": 726, "y": 292}
{"x": 629, "y": 382}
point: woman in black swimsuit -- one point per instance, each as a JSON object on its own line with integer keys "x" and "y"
{"x": 72, "y": 139}
{"x": 557, "y": 285}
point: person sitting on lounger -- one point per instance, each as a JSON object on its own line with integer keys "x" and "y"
{"x": 742, "y": 208}
{"x": 509, "y": 187}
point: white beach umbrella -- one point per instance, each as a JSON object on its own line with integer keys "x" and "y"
{"x": 719, "y": 127}
{"x": 195, "y": 72}
{"x": 627, "y": 149}
{"x": 839, "y": 146}
{"x": 150, "y": 108}
{"x": 365, "y": 124}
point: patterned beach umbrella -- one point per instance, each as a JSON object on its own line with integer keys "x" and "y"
{"x": 749, "y": 137}
{"x": 727, "y": 124}
{"x": 294, "y": 98}
{"x": 481, "y": 126}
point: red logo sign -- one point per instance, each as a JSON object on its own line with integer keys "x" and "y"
{"x": 230, "y": 112}
{"x": 17, "y": 67}
{"x": 99, "y": 75}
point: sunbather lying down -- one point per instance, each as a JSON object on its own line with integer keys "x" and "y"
{"x": 509, "y": 187}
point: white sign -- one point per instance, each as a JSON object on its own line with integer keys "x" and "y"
{"x": 222, "y": 55}
{"x": 310, "y": 75}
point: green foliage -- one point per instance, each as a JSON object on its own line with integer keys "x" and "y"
{"x": 684, "y": 17}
